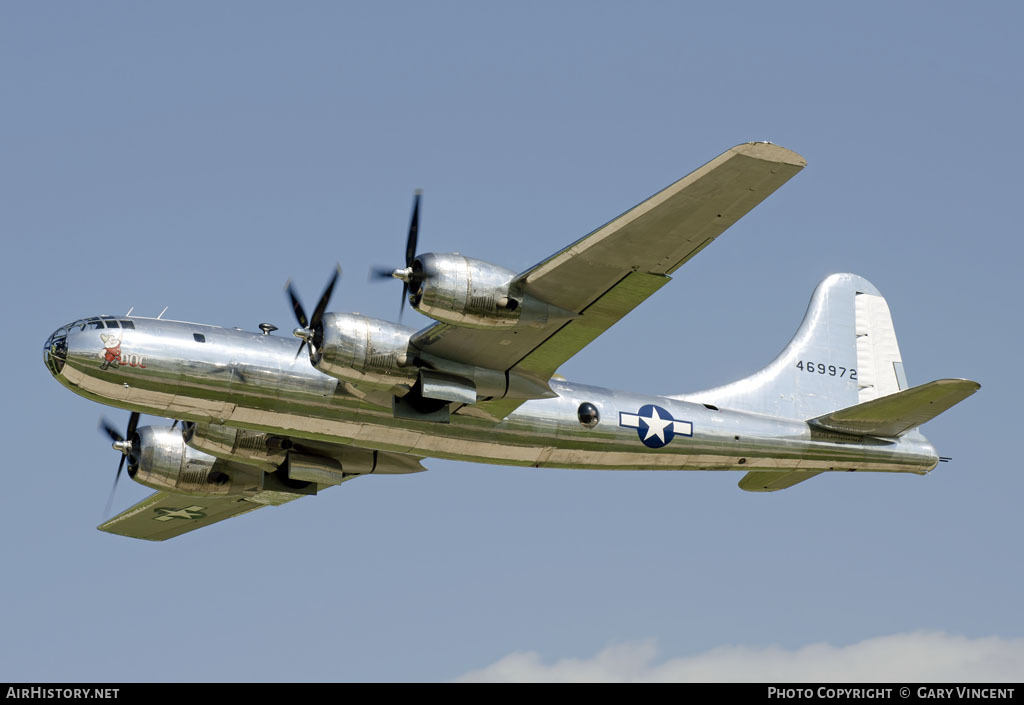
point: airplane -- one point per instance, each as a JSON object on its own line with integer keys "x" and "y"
{"x": 262, "y": 424}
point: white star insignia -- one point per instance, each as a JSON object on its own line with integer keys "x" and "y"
{"x": 656, "y": 425}
{"x": 169, "y": 513}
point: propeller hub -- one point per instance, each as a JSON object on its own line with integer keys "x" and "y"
{"x": 305, "y": 334}
{"x": 404, "y": 275}
{"x": 124, "y": 447}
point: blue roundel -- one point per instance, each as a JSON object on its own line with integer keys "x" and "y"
{"x": 656, "y": 426}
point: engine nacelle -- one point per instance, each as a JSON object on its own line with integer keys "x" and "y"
{"x": 475, "y": 294}
{"x": 377, "y": 354}
{"x": 160, "y": 459}
{"x": 237, "y": 444}
{"x": 305, "y": 461}
{"x": 363, "y": 350}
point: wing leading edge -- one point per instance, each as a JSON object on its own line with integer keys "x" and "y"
{"x": 606, "y": 274}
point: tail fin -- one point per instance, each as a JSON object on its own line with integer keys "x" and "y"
{"x": 845, "y": 353}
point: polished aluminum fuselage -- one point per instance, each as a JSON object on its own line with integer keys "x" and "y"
{"x": 254, "y": 381}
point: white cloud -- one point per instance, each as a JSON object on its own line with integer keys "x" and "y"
{"x": 916, "y": 656}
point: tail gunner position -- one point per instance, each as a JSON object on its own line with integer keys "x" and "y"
{"x": 261, "y": 424}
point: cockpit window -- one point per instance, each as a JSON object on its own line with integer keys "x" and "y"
{"x": 79, "y": 324}
{"x": 97, "y": 324}
{"x": 199, "y": 337}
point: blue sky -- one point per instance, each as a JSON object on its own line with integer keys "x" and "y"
{"x": 197, "y": 155}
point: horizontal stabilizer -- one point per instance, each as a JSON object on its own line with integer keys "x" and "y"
{"x": 772, "y": 481}
{"x": 893, "y": 415}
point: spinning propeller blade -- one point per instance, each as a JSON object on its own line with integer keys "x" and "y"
{"x": 411, "y": 242}
{"x": 122, "y": 444}
{"x": 308, "y": 326}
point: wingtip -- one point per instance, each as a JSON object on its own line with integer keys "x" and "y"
{"x": 962, "y": 383}
{"x": 770, "y": 152}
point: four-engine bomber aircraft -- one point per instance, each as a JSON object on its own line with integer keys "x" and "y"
{"x": 262, "y": 425}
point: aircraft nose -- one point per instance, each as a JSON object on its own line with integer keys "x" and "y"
{"x": 55, "y": 351}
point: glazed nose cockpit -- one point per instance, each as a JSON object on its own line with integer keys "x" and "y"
{"x": 55, "y": 351}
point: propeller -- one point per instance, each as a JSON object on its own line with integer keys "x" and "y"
{"x": 308, "y": 326}
{"x": 122, "y": 444}
{"x": 407, "y": 275}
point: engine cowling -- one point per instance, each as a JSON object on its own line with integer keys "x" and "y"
{"x": 161, "y": 460}
{"x": 364, "y": 350}
{"x": 463, "y": 291}
{"x": 472, "y": 293}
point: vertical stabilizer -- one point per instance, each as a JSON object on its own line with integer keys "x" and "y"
{"x": 844, "y": 353}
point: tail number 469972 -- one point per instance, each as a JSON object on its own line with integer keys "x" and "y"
{"x": 821, "y": 368}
